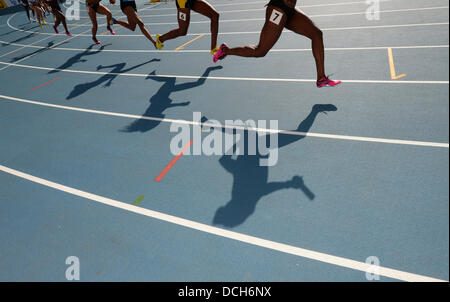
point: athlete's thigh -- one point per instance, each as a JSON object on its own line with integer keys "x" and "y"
{"x": 301, "y": 24}
{"x": 93, "y": 15}
{"x": 132, "y": 16}
{"x": 273, "y": 27}
{"x": 103, "y": 10}
{"x": 184, "y": 17}
{"x": 204, "y": 8}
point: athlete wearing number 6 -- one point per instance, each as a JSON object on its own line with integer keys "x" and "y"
{"x": 184, "y": 16}
{"x": 282, "y": 14}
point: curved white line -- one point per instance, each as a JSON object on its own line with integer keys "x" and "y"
{"x": 311, "y": 16}
{"x": 280, "y": 247}
{"x": 259, "y": 9}
{"x": 259, "y": 32}
{"x": 264, "y": 130}
{"x": 265, "y": 2}
{"x": 207, "y": 51}
{"x": 287, "y": 80}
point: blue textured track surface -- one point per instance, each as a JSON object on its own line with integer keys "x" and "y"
{"x": 360, "y": 198}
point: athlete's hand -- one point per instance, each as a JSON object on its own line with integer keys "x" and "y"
{"x": 290, "y": 3}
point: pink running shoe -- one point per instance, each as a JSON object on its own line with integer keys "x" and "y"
{"x": 68, "y": 33}
{"x": 219, "y": 55}
{"x": 96, "y": 41}
{"x": 110, "y": 30}
{"x": 56, "y": 30}
{"x": 325, "y": 81}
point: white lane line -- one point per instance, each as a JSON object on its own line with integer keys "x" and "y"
{"x": 258, "y": 9}
{"x": 284, "y": 31}
{"x": 207, "y": 50}
{"x": 287, "y": 80}
{"x": 266, "y": 1}
{"x": 54, "y": 34}
{"x": 256, "y": 241}
{"x": 311, "y": 16}
{"x": 50, "y": 47}
{"x": 21, "y": 47}
{"x": 265, "y": 130}
{"x": 342, "y": 28}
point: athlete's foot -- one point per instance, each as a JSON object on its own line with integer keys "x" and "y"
{"x": 56, "y": 30}
{"x": 110, "y": 30}
{"x": 324, "y": 108}
{"x": 96, "y": 41}
{"x": 214, "y": 50}
{"x": 220, "y": 54}
{"x": 159, "y": 45}
{"x": 325, "y": 81}
{"x": 43, "y": 22}
{"x": 68, "y": 33}
{"x": 40, "y": 24}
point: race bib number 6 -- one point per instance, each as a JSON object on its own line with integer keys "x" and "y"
{"x": 276, "y": 17}
{"x": 182, "y": 16}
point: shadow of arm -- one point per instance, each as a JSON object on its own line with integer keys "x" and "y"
{"x": 227, "y": 163}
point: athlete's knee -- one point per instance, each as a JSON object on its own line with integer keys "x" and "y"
{"x": 215, "y": 17}
{"x": 140, "y": 24}
{"x": 182, "y": 31}
{"x": 260, "y": 52}
{"x": 318, "y": 34}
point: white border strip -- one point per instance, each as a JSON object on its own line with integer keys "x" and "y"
{"x": 284, "y": 248}
{"x": 296, "y": 133}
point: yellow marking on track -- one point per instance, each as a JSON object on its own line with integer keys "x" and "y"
{"x": 394, "y": 75}
{"x": 187, "y": 43}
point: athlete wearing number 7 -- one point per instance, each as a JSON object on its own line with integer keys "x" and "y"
{"x": 184, "y": 16}
{"x": 282, "y": 14}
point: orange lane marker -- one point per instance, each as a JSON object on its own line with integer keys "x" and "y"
{"x": 45, "y": 84}
{"x": 170, "y": 165}
{"x": 394, "y": 75}
{"x": 15, "y": 54}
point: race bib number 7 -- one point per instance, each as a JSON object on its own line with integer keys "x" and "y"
{"x": 182, "y": 16}
{"x": 276, "y": 17}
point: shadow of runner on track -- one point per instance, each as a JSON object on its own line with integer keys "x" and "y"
{"x": 108, "y": 78}
{"x": 78, "y": 58}
{"x": 48, "y": 47}
{"x": 250, "y": 179}
{"x": 18, "y": 39}
{"x": 162, "y": 101}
